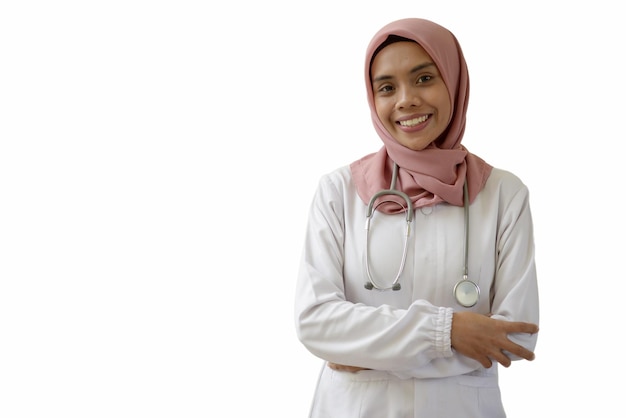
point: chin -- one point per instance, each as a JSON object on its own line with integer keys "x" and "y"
{"x": 417, "y": 146}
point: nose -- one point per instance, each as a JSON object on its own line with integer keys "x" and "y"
{"x": 408, "y": 97}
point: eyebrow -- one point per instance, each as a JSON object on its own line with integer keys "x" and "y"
{"x": 413, "y": 71}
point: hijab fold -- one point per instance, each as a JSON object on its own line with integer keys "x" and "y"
{"x": 435, "y": 174}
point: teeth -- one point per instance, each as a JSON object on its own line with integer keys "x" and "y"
{"x": 413, "y": 122}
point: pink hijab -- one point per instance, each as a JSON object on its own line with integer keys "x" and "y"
{"x": 437, "y": 173}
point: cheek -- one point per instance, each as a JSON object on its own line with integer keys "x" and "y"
{"x": 382, "y": 110}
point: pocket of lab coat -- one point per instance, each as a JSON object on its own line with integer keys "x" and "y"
{"x": 480, "y": 392}
{"x": 367, "y": 393}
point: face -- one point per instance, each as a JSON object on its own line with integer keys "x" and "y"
{"x": 410, "y": 97}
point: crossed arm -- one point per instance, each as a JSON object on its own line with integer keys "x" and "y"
{"x": 481, "y": 338}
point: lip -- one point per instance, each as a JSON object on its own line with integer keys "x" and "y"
{"x": 415, "y": 128}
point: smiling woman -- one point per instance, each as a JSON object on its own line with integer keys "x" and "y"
{"x": 414, "y": 338}
{"x": 140, "y": 139}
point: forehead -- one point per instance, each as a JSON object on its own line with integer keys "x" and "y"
{"x": 399, "y": 56}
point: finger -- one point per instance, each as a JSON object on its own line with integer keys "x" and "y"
{"x": 344, "y": 368}
{"x": 521, "y": 327}
{"x": 485, "y": 361}
{"x": 502, "y": 358}
{"x": 519, "y": 351}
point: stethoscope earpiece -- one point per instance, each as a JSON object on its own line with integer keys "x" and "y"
{"x": 370, "y": 286}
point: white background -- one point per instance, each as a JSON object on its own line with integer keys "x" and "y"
{"x": 157, "y": 160}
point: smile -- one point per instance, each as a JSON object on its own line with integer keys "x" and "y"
{"x": 413, "y": 122}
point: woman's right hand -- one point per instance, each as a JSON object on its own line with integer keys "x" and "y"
{"x": 344, "y": 368}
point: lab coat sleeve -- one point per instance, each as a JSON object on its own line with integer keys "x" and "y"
{"x": 340, "y": 331}
{"x": 515, "y": 292}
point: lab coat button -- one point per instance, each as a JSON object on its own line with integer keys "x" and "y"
{"x": 426, "y": 210}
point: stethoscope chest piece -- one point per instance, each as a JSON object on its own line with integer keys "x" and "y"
{"x": 466, "y": 293}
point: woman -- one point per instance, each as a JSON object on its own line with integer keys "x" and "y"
{"x": 399, "y": 337}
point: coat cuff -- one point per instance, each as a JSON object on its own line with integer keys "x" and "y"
{"x": 443, "y": 346}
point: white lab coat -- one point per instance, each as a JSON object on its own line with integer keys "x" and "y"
{"x": 404, "y": 336}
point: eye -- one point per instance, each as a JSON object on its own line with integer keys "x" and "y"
{"x": 386, "y": 88}
{"x": 424, "y": 79}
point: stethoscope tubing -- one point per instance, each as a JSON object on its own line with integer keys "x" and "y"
{"x": 395, "y": 285}
{"x": 465, "y": 292}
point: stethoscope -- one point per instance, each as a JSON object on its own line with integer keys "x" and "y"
{"x": 465, "y": 291}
